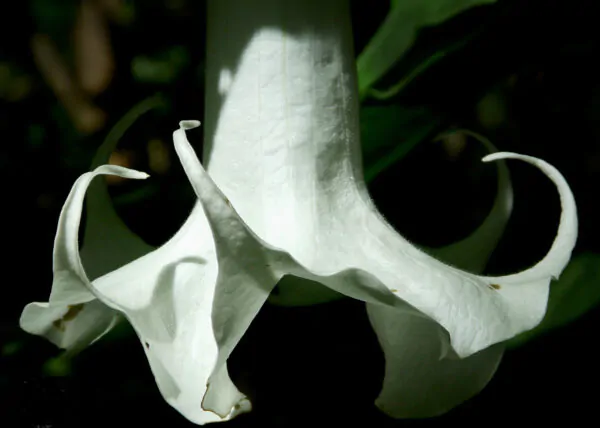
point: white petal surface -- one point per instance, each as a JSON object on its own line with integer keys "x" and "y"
{"x": 476, "y": 311}
{"x": 71, "y": 327}
{"x": 480, "y": 311}
{"x": 291, "y": 168}
{"x": 249, "y": 268}
{"x": 167, "y": 295}
{"x": 282, "y": 145}
{"x": 72, "y": 318}
{"x": 191, "y": 300}
{"x": 107, "y": 244}
{"x": 374, "y": 264}
{"x": 420, "y": 383}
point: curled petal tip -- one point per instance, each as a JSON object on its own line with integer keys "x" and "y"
{"x": 189, "y": 124}
{"x": 120, "y": 171}
{"x": 496, "y": 156}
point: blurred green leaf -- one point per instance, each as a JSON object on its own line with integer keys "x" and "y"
{"x": 162, "y": 68}
{"x": 397, "y": 88}
{"x": 137, "y": 195}
{"x": 54, "y": 17}
{"x": 11, "y": 348}
{"x": 388, "y": 133}
{"x": 398, "y": 32}
{"x": 36, "y": 134}
{"x": 572, "y": 295}
{"x": 57, "y": 366}
{"x": 15, "y": 83}
{"x": 422, "y": 65}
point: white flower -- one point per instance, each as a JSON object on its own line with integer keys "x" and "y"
{"x": 283, "y": 195}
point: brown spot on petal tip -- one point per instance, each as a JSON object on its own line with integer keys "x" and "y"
{"x": 495, "y": 287}
{"x": 72, "y": 312}
{"x": 59, "y": 325}
{"x": 147, "y": 345}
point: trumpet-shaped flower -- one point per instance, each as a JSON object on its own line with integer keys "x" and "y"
{"x": 282, "y": 201}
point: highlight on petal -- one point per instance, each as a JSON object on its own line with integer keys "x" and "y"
{"x": 369, "y": 261}
{"x": 470, "y": 253}
{"x": 249, "y": 269}
{"x": 477, "y": 311}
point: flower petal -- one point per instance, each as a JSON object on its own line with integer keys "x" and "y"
{"x": 479, "y": 311}
{"x": 249, "y": 269}
{"x": 71, "y": 327}
{"x": 72, "y": 318}
{"x": 369, "y": 262}
{"x": 418, "y": 382}
{"x": 421, "y": 378}
{"x": 167, "y": 296}
{"x": 107, "y": 244}
{"x": 471, "y": 253}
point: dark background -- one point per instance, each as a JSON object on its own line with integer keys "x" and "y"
{"x": 527, "y": 78}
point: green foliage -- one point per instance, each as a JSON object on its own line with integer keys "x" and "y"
{"x": 52, "y": 17}
{"x": 161, "y": 68}
{"x": 390, "y": 132}
{"x": 57, "y": 366}
{"x": 11, "y": 348}
{"x": 398, "y": 32}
